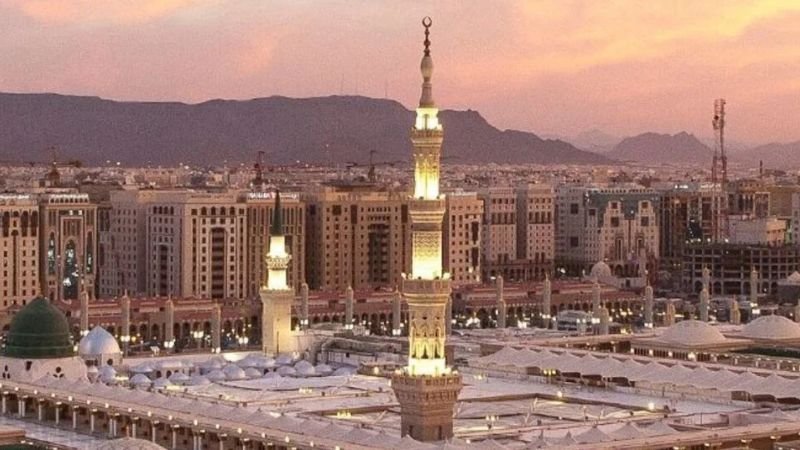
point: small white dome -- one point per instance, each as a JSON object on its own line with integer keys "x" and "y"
{"x": 98, "y": 342}
{"x": 772, "y": 327}
{"x": 179, "y": 378}
{"x": 323, "y": 369}
{"x": 286, "y": 371}
{"x": 234, "y": 372}
{"x": 600, "y": 270}
{"x": 692, "y": 333}
{"x": 107, "y": 373}
{"x": 252, "y": 372}
{"x": 215, "y": 375}
{"x": 162, "y": 383}
{"x": 140, "y": 379}
{"x": 199, "y": 380}
{"x": 272, "y": 375}
{"x": 284, "y": 359}
{"x": 305, "y": 369}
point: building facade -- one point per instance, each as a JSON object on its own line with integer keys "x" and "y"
{"x": 19, "y": 249}
{"x": 462, "y": 237}
{"x": 357, "y": 236}
{"x": 617, "y": 225}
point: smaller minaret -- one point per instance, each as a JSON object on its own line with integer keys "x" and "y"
{"x": 669, "y": 314}
{"x": 546, "y": 300}
{"x": 596, "y": 298}
{"x": 169, "y": 326}
{"x": 704, "y": 300}
{"x": 797, "y": 312}
{"x": 125, "y": 333}
{"x": 348, "y": 308}
{"x": 216, "y": 328}
{"x": 707, "y": 279}
{"x": 84, "y": 310}
{"x": 304, "y": 305}
{"x": 753, "y": 286}
{"x": 736, "y": 315}
{"x": 605, "y": 321}
{"x": 501, "y": 302}
{"x": 396, "y": 314}
{"x": 448, "y": 316}
{"x": 649, "y": 304}
{"x": 276, "y": 295}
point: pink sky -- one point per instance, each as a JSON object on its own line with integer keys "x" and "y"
{"x": 556, "y": 66}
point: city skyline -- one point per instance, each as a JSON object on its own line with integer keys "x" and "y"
{"x": 547, "y": 67}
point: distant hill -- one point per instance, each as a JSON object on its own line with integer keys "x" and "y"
{"x": 313, "y": 130}
{"x": 776, "y": 155}
{"x": 594, "y": 140}
{"x": 662, "y": 148}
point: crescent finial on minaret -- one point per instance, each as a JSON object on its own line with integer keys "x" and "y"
{"x": 427, "y": 22}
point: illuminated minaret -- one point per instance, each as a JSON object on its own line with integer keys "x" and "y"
{"x": 276, "y": 295}
{"x": 546, "y": 301}
{"x": 427, "y": 389}
{"x": 502, "y": 310}
{"x": 648, "y": 306}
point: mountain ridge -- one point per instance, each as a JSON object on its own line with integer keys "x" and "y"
{"x": 310, "y": 130}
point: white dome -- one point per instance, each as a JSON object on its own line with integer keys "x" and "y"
{"x": 126, "y": 444}
{"x": 107, "y": 373}
{"x": 234, "y": 372}
{"x": 600, "y": 270}
{"x": 140, "y": 379}
{"x": 272, "y": 375}
{"x": 162, "y": 383}
{"x": 286, "y": 371}
{"x": 216, "y": 375}
{"x": 284, "y": 359}
{"x": 692, "y": 333}
{"x": 199, "y": 380}
{"x": 252, "y": 372}
{"x": 98, "y": 342}
{"x": 794, "y": 278}
{"x": 305, "y": 369}
{"x": 179, "y": 378}
{"x": 772, "y": 327}
{"x": 323, "y": 369}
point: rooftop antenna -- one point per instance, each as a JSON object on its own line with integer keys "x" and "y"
{"x": 719, "y": 170}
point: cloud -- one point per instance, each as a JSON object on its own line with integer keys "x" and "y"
{"x": 99, "y": 12}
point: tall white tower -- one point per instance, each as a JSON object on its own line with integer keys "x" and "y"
{"x": 427, "y": 389}
{"x": 276, "y": 295}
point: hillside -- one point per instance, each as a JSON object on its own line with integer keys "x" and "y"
{"x": 657, "y": 148}
{"x": 312, "y": 130}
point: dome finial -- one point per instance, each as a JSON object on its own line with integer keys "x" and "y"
{"x": 427, "y": 22}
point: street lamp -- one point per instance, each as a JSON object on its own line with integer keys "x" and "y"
{"x": 198, "y": 336}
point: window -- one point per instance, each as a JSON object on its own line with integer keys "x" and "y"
{"x": 573, "y": 241}
{"x": 615, "y": 222}
{"x": 645, "y": 221}
{"x": 573, "y": 208}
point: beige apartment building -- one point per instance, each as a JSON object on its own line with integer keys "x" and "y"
{"x": 518, "y": 232}
{"x": 499, "y": 232}
{"x": 536, "y": 228}
{"x": 356, "y": 236}
{"x": 19, "y": 248}
{"x": 462, "y": 237}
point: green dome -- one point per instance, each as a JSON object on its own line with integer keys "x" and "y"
{"x": 39, "y": 330}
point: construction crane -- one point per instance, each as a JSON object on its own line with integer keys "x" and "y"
{"x": 258, "y": 180}
{"x": 719, "y": 167}
{"x": 371, "y": 174}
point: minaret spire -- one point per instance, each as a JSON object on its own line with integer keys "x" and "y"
{"x": 276, "y": 295}
{"x": 276, "y": 228}
{"x": 426, "y": 67}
